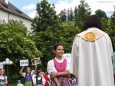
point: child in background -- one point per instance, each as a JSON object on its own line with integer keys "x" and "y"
{"x": 3, "y": 78}
{"x": 39, "y": 79}
{"x": 19, "y": 83}
{"x": 47, "y": 78}
{"x": 28, "y": 75}
{"x": 74, "y": 81}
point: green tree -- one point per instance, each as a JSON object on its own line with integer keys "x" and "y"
{"x": 16, "y": 44}
{"x": 45, "y": 41}
{"x": 81, "y": 13}
{"x": 109, "y": 27}
{"x": 112, "y": 29}
{"x": 67, "y": 37}
{"x": 45, "y": 26}
{"x": 100, "y": 13}
{"x": 62, "y": 15}
{"x": 113, "y": 18}
{"x": 105, "y": 23}
{"x": 46, "y": 16}
{"x": 76, "y": 15}
{"x": 70, "y": 15}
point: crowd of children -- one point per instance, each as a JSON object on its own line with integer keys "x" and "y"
{"x": 34, "y": 77}
{"x": 39, "y": 78}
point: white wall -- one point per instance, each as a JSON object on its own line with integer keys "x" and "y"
{"x": 5, "y": 16}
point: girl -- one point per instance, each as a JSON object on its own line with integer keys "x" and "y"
{"x": 28, "y": 75}
{"x": 58, "y": 68}
{"x": 40, "y": 80}
{"x": 19, "y": 83}
{"x": 3, "y": 78}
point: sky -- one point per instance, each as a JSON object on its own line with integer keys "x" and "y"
{"x": 29, "y": 6}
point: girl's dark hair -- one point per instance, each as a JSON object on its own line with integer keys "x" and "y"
{"x": 92, "y": 21}
{"x": 56, "y": 45}
{"x": 28, "y": 67}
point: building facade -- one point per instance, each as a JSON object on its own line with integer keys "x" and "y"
{"x": 9, "y": 12}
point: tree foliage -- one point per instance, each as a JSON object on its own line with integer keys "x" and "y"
{"x": 16, "y": 44}
{"x": 113, "y": 18}
{"x": 112, "y": 29}
{"x": 46, "y": 16}
{"x": 70, "y": 15}
{"x": 109, "y": 27}
{"x": 100, "y": 13}
{"x": 81, "y": 13}
{"x": 62, "y": 15}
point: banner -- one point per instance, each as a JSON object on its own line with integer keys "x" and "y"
{"x": 36, "y": 61}
{"x": 24, "y": 62}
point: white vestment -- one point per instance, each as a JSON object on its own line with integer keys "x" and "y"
{"x": 91, "y": 62}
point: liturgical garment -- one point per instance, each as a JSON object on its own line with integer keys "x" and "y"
{"x": 91, "y": 58}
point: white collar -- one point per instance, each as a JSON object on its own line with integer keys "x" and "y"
{"x": 59, "y": 60}
{"x": 99, "y": 33}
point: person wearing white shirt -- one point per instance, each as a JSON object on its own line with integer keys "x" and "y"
{"x": 91, "y": 57}
{"x": 28, "y": 75}
{"x": 19, "y": 83}
{"x": 39, "y": 79}
{"x": 59, "y": 67}
{"x": 3, "y": 78}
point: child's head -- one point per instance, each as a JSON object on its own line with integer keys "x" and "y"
{"x": 2, "y": 71}
{"x": 40, "y": 74}
{"x": 19, "y": 81}
{"x": 28, "y": 70}
{"x": 58, "y": 50}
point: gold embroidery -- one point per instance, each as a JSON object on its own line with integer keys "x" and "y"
{"x": 90, "y": 36}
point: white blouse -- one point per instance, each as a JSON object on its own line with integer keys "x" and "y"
{"x": 51, "y": 67}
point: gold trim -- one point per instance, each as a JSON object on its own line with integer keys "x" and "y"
{"x": 90, "y": 36}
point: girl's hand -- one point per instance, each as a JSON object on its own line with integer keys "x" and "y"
{"x": 22, "y": 66}
{"x": 54, "y": 74}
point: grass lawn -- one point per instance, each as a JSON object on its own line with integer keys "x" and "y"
{"x": 66, "y": 23}
{"x": 11, "y": 85}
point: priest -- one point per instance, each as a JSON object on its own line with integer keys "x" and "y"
{"x": 91, "y": 56}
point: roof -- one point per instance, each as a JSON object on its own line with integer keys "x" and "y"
{"x": 13, "y": 10}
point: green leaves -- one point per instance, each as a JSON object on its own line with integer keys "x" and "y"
{"x": 46, "y": 17}
{"x": 109, "y": 27}
{"x": 81, "y": 13}
{"x": 15, "y": 43}
{"x": 100, "y": 13}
